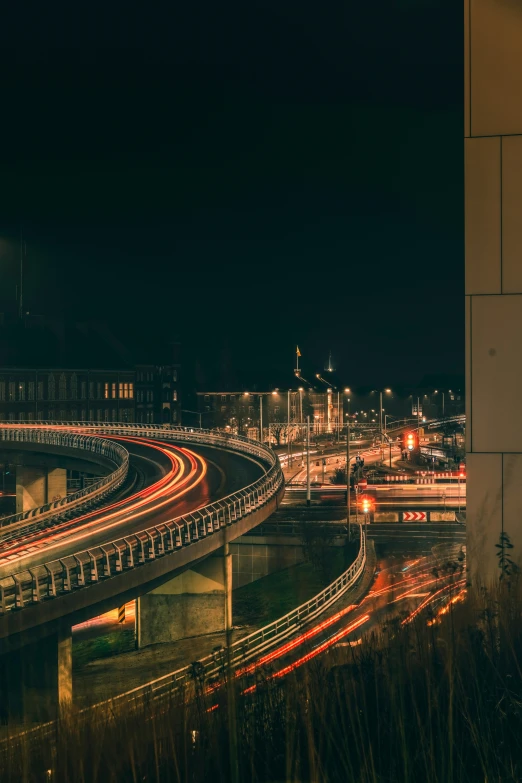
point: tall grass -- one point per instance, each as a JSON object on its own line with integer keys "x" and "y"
{"x": 433, "y": 703}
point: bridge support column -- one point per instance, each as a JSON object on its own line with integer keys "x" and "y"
{"x": 493, "y": 234}
{"x": 36, "y": 486}
{"x": 36, "y": 680}
{"x": 197, "y": 602}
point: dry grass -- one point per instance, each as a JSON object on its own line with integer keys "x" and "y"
{"x": 436, "y": 704}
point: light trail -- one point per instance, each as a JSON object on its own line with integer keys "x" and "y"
{"x": 152, "y": 498}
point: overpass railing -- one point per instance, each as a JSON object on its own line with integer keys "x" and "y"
{"x": 26, "y": 521}
{"x": 207, "y": 669}
{"x": 81, "y": 569}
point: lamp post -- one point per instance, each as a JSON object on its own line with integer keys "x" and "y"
{"x": 288, "y": 431}
{"x": 348, "y": 475}
{"x": 338, "y": 419}
{"x": 308, "y": 460}
{"x": 196, "y": 413}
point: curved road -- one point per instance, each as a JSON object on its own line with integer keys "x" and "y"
{"x": 179, "y": 481}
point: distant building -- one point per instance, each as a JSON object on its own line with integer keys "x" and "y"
{"x": 118, "y": 388}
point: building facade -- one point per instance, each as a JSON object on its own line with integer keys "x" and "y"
{"x": 493, "y": 236}
{"x": 148, "y": 394}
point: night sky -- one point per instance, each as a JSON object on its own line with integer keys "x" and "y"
{"x": 247, "y": 177}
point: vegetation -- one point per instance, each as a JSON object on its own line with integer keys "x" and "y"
{"x": 437, "y": 703}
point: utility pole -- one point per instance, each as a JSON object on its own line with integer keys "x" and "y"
{"x": 288, "y": 431}
{"x": 21, "y": 297}
{"x": 348, "y": 477}
{"x": 308, "y": 460}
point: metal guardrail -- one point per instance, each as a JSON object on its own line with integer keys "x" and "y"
{"x": 249, "y": 646}
{"x": 26, "y": 521}
{"x": 81, "y": 569}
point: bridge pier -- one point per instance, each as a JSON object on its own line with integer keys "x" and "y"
{"x": 197, "y": 602}
{"x": 36, "y": 680}
{"x": 38, "y": 485}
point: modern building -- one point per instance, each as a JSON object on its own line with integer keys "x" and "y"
{"x": 493, "y": 235}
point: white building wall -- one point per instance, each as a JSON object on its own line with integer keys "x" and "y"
{"x": 493, "y": 236}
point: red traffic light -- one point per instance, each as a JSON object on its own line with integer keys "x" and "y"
{"x": 410, "y": 440}
{"x": 366, "y": 503}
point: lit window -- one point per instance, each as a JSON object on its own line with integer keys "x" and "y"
{"x": 113, "y": 392}
{"x": 131, "y": 391}
{"x": 106, "y": 393}
{"x": 175, "y": 395}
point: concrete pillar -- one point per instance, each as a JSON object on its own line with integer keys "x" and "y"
{"x": 56, "y": 484}
{"x": 31, "y": 487}
{"x": 36, "y": 486}
{"x": 197, "y": 602}
{"x": 36, "y": 680}
{"x": 493, "y": 235}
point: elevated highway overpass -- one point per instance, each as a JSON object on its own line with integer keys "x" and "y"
{"x": 204, "y": 489}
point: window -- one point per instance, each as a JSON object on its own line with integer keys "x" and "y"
{"x": 206, "y": 397}
{"x": 91, "y": 415}
{"x": 99, "y": 390}
{"x": 74, "y": 414}
{"x": 91, "y": 390}
{"x": 39, "y": 415}
{"x": 114, "y": 415}
{"x": 62, "y": 387}
{"x": 131, "y": 391}
{"x": 50, "y": 414}
{"x": 106, "y": 391}
{"x": 40, "y": 390}
{"x": 21, "y": 391}
{"x": 74, "y": 386}
{"x": 223, "y": 408}
{"x": 12, "y": 388}
{"x": 174, "y": 375}
{"x": 174, "y": 415}
{"x": 11, "y": 417}
{"x": 106, "y": 414}
{"x": 2, "y": 390}
{"x": 30, "y": 390}
{"x": 21, "y": 417}
{"x": 223, "y": 398}
{"x": 63, "y": 415}
{"x": 83, "y": 415}
{"x": 175, "y": 395}
{"x": 30, "y": 416}
{"x": 113, "y": 391}
{"x": 51, "y": 388}
{"x": 83, "y": 390}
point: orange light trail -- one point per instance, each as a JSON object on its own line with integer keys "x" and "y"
{"x": 160, "y": 493}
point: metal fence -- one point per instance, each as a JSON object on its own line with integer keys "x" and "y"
{"x": 87, "y": 567}
{"x": 26, "y": 521}
{"x": 249, "y": 647}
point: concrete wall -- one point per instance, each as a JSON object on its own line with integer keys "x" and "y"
{"x": 493, "y": 234}
{"x": 192, "y": 604}
{"x": 36, "y": 681}
{"x": 256, "y": 556}
{"x": 37, "y": 485}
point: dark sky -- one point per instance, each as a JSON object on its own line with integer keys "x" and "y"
{"x": 246, "y": 176}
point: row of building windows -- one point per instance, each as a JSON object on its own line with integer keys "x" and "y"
{"x": 22, "y": 391}
{"x": 125, "y": 391}
{"x": 146, "y": 376}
